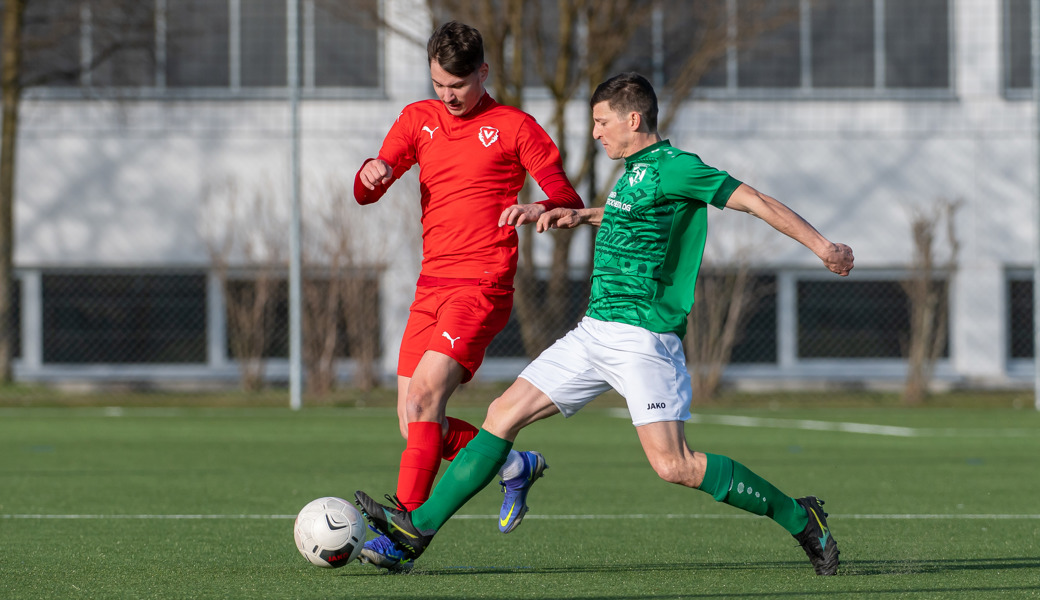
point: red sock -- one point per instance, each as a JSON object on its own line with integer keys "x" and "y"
{"x": 419, "y": 463}
{"x": 459, "y": 434}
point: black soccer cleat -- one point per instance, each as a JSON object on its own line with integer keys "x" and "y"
{"x": 816, "y": 538}
{"x": 396, "y": 524}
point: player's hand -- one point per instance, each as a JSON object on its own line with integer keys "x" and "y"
{"x": 518, "y": 214}
{"x": 569, "y": 218}
{"x": 839, "y": 260}
{"x": 376, "y": 172}
{"x": 559, "y": 218}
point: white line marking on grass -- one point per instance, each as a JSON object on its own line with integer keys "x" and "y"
{"x": 739, "y": 421}
{"x": 804, "y": 424}
{"x": 846, "y": 427}
{"x": 693, "y": 516}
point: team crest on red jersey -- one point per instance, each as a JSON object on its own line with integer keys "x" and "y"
{"x": 488, "y": 136}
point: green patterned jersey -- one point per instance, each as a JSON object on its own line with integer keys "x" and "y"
{"x": 650, "y": 244}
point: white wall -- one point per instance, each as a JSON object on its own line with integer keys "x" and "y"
{"x": 122, "y": 183}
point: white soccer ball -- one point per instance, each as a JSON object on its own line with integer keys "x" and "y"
{"x": 329, "y": 532}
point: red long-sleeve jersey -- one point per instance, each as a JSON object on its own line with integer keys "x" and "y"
{"x": 470, "y": 169}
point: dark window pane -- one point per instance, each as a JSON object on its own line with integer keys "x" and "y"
{"x": 346, "y": 44}
{"x": 843, "y": 43}
{"x": 124, "y": 318}
{"x": 1019, "y": 69}
{"x": 197, "y": 43}
{"x": 771, "y": 48}
{"x": 917, "y": 44}
{"x": 359, "y": 318}
{"x": 852, "y": 319}
{"x": 257, "y": 318}
{"x": 696, "y": 41}
{"x": 542, "y": 37}
{"x": 1021, "y": 319}
{"x": 122, "y": 42}
{"x": 52, "y": 43}
{"x": 639, "y": 52}
{"x": 263, "y": 43}
{"x": 14, "y": 326}
{"x": 757, "y": 343}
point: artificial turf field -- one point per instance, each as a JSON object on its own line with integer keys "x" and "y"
{"x": 196, "y": 502}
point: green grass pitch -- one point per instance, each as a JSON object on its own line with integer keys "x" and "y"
{"x": 168, "y": 502}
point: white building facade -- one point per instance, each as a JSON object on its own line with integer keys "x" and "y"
{"x": 128, "y": 181}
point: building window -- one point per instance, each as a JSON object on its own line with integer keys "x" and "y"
{"x": 825, "y": 47}
{"x": 345, "y": 40}
{"x": 121, "y": 36}
{"x": 258, "y": 317}
{"x": 1018, "y": 61}
{"x": 197, "y": 43}
{"x": 853, "y": 319}
{"x": 198, "y": 48}
{"x": 263, "y": 51}
{"x": 1020, "y": 321}
{"x": 124, "y": 318}
{"x": 772, "y": 59}
{"x": 757, "y": 342}
{"x": 14, "y": 325}
{"x": 843, "y": 44}
{"x": 51, "y": 43}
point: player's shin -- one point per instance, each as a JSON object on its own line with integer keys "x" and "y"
{"x": 419, "y": 463}
{"x": 459, "y": 434}
{"x": 731, "y": 482}
{"x": 474, "y": 467}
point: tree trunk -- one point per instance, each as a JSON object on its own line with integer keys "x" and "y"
{"x": 11, "y": 93}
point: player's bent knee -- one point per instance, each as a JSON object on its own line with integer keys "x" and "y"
{"x": 673, "y": 470}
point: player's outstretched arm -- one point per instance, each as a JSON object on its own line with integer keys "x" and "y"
{"x": 837, "y": 258}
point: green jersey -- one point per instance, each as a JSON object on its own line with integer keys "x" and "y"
{"x": 651, "y": 241}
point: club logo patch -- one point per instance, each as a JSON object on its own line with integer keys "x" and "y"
{"x": 487, "y": 136}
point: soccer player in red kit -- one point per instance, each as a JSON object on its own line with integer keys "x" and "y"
{"x": 473, "y": 154}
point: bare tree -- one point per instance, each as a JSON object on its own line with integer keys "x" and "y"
{"x": 14, "y": 11}
{"x": 341, "y": 288}
{"x": 727, "y": 296}
{"x": 41, "y": 45}
{"x": 568, "y": 48}
{"x": 245, "y": 242}
{"x": 926, "y": 290}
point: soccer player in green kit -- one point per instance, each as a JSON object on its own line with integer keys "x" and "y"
{"x": 648, "y": 252}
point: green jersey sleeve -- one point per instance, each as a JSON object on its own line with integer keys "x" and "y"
{"x": 687, "y": 177}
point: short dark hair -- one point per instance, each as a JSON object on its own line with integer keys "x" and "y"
{"x": 628, "y": 92}
{"x": 457, "y": 48}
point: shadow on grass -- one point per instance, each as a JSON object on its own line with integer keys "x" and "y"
{"x": 850, "y": 569}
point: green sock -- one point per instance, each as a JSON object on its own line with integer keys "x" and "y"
{"x": 474, "y": 467}
{"x": 731, "y": 482}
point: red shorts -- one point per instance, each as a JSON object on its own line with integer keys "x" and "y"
{"x": 458, "y": 319}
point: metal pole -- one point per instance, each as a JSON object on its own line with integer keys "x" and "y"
{"x": 295, "y": 314}
{"x": 1034, "y": 27}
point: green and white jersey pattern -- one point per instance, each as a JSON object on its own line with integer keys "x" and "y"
{"x": 651, "y": 242}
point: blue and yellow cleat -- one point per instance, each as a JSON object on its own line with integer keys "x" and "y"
{"x": 383, "y": 553}
{"x": 514, "y": 506}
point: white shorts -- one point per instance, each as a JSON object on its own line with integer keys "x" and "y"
{"x": 647, "y": 368}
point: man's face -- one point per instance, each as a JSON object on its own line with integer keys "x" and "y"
{"x": 611, "y": 129}
{"x": 459, "y": 94}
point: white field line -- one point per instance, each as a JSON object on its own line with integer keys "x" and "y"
{"x": 845, "y": 427}
{"x": 693, "y": 516}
